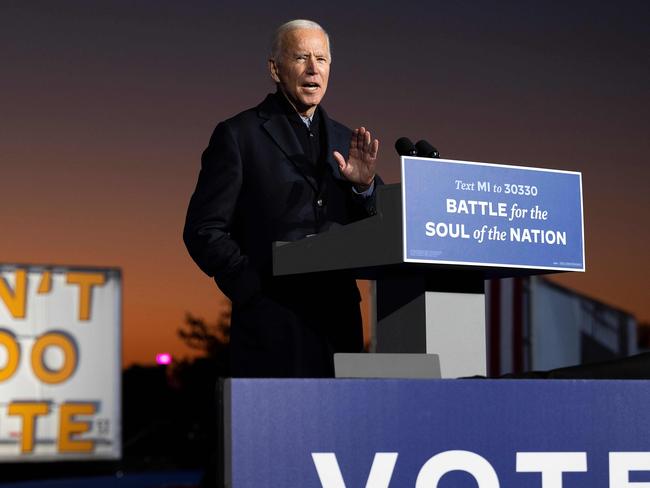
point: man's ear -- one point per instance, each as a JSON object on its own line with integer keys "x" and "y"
{"x": 273, "y": 69}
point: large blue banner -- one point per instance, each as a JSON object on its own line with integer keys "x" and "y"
{"x": 457, "y": 212}
{"x": 440, "y": 433}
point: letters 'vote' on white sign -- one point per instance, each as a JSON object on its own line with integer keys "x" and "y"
{"x": 60, "y": 365}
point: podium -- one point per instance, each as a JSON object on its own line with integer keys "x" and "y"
{"x": 437, "y": 306}
{"x": 433, "y": 241}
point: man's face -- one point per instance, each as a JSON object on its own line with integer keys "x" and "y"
{"x": 303, "y": 68}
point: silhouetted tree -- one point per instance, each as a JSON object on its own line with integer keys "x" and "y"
{"x": 197, "y": 382}
{"x": 213, "y": 338}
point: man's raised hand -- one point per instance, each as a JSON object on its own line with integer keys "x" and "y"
{"x": 359, "y": 169}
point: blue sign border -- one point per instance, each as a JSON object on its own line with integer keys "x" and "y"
{"x": 489, "y": 263}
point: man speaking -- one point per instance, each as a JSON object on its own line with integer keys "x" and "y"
{"x": 282, "y": 171}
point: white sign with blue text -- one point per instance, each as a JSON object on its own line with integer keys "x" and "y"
{"x": 483, "y": 214}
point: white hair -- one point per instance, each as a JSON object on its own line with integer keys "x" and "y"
{"x": 278, "y": 37}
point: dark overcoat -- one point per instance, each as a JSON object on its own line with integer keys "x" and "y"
{"x": 255, "y": 187}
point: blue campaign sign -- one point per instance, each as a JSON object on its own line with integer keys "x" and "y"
{"x": 459, "y": 212}
{"x": 438, "y": 433}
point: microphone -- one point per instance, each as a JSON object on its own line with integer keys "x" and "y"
{"x": 426, "y": 150}
{"x": 404, "y": 147}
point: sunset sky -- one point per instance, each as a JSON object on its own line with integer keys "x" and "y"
{"x": 106, "y": 106}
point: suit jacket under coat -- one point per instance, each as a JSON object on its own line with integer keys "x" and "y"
{"x": 255, "y": 187}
